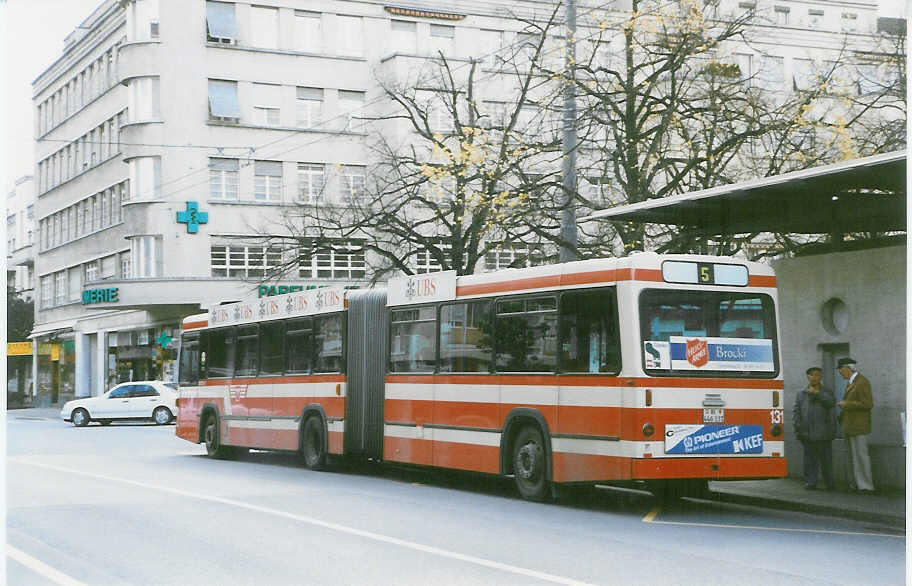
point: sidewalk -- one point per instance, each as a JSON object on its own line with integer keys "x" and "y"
{"x": 887, "y": 507}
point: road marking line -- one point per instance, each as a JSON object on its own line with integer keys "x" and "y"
{"x": 40, "y": 567}
{"x": 648, "y": 519}
{"x": 324, "y": 524}
{"x": 651, "y": 514}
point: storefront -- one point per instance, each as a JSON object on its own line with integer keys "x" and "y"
{"x": 141, "y": 354}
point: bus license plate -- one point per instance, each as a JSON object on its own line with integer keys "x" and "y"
{"x": 713, "y": 414}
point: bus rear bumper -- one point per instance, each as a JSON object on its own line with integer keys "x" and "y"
{"x": 711, "y": 468}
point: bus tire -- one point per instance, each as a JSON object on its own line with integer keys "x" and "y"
{"x": 214, "y": 448}
{"x": 530, "y": 465}
{"x": 313, "y": 446}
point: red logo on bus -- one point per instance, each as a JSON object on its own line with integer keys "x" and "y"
{"x": 697, "y": 352}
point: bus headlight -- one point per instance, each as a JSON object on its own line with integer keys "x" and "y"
{"x": 648, "y": 430}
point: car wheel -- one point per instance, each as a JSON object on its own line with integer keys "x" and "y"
{"x": 214, "y": 449}
{"x": 161, "y": 415}
{"x": 104, "y": 421}
{"x": 530, "y": 464}
{"x": 313, "y": 446}
{"x": 80, "y": 417}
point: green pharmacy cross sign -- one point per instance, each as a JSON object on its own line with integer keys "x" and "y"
{"x": 192, "y": 217}
{"x": 163, "y": 340}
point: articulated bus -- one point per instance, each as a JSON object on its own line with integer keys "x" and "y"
{"x": 661, "y": 370}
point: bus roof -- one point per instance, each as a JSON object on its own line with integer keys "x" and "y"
{"x": 295, "y": 304}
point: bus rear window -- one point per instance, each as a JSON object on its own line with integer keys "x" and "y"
{"x": 708, "y": 332}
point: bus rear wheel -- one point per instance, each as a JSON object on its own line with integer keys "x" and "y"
{"x": 530, "y": 465}
{"x": 313, "y": 448}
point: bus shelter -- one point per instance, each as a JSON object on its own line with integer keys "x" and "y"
{"x": 846, "y": 298}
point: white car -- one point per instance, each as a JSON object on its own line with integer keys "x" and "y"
{"x": 152, "y": 399}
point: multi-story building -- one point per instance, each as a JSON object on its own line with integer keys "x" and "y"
{"x": 171, "y": 134}
{"x": 20, "y": 233}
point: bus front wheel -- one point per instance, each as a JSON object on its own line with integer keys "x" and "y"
{"x": 530, "y": 465}
{"x": 214, "y": 448}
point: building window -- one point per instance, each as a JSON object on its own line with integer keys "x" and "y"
{"x": 442, "y": 39}
{"x": 771, "y": 74}
{"x": 223, "y": 100}
{"x": 221, "y": 26}
{"x": 144, "y": 103}
{"x": 403, "y": 37}
{"x": 308, "y": 31}
{"x": 267, "y": 180}
{"x": 350, "y": 35}
{"x": 145, "y": 177}
{"x": 342, "y": 259}
{"x": 223, "y": 178}
{"x": 46, "y": 291}
{"x": 748, "y": 9}
{"x": 264, "y": 24}
{"x": 267, "y": 102}
{"x": 142, "y": 15}
{"x": 427, "y": 262}
{"x": 352, "y": 106}
{"x": 311, "y": 182}
{"x": 815, "y": 18}
{"x": 782, "y": 15}
{"x": 849, "y": 21}
{"x": 309, "y": 107}
{"x": 91, "y": 271}
{"x": 514, "y": 255}
{"x": 244, "y": 261}
{"x": 75, "y": 283}
{"x": 490, "y": 48}
{"x": 60, "y": 288}
{"x": 125, "y": 272}
{"x": 352, "y": 182}
{"x": 146, "y": 256}
{"x": 746, "y": 67}
{"x": 802, "y": 74}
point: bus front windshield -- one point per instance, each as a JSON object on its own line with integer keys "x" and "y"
{"x": 715, "y": 333}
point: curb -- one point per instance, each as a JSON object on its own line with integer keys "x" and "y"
{"x": 891, "y": 520}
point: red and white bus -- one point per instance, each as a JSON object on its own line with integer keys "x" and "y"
{"x": 656, "y": 368}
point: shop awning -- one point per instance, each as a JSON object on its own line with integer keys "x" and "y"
{"x": 861, "y": 195}
{"x": 52, "y": 327}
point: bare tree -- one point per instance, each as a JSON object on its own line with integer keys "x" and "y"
{"x": 463, "y": 166}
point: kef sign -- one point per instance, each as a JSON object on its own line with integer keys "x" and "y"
{"x": 417, "y": 289}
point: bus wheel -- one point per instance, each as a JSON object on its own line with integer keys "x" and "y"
{"x": 530, "y": 465}
{"x": 313, "y": 447}
{"x": 214, "y": 449}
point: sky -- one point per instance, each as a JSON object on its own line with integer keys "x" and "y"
{"x": 32, "y": 33}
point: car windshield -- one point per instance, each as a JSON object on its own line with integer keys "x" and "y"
{"x": 172, "y": 386}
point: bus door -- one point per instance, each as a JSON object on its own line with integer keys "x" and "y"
{"x": 590, "y": 401}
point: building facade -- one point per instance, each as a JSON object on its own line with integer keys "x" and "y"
{"x": 20, "y": 235}
{"x": 170, "y": 135}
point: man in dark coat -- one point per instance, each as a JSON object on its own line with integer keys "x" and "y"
{"x": 815, "y": 425}
{"x": 857, "y": 402}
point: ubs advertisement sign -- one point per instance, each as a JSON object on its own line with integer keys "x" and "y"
{"x": 296, "y": 304}
{"x": 416, "y": 289}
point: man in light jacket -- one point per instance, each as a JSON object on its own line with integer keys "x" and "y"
{"x": 815, "y": 425}
{"x": 856, "y": 406}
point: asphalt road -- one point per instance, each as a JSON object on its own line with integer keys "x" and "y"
{"x": 133, "y": 504}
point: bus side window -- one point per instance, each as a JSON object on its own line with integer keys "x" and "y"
{"x": 246, "y": 352}
{"x": 465, "y": 337}
{"x": 327, "y": 336}
{"x": 298, "y": 345}
{"x": 189, "y": 364}
{"x": 272, "y": 337}
{"x": 221, "y": 353}
{"x": 413, "y": 340}
{"x": 589, "y": 332}
{"x": 526, "y": 334}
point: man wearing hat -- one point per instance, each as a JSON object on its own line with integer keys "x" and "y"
{"x": 856, "y": 407}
